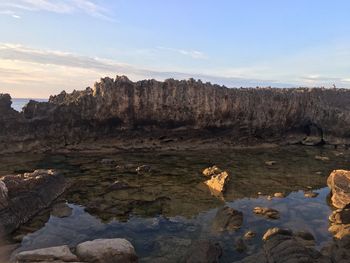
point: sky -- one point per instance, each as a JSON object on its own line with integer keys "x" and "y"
{"x": 47, "y": 46}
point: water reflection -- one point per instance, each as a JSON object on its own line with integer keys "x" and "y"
{"x": 163, "y": 211}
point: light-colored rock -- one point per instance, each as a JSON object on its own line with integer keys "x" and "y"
{"x": 60, "y": 253}
{"x": 270, "y": 163}
{"x": 107, "y": 251}
{"x": 267, "y": 212}
{"x": 279, "y": 195}
{"x": 310, "y": 194}
{"x": 339, "y": 183}
{"x": 217, "y": 182}
{"x": 210, "y": 171}
{"x": 321, "y": 158}
{"x": 249, "y": 235}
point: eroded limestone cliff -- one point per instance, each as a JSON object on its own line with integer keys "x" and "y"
{"x": 150, "y": 112}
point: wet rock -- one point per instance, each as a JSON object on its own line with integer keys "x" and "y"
{"x": 143, "y": 169}
{"x": 6, "y": 251}
{"x": 60, "y": 253}
{"x": 240, "y": 245}
{"x": 61, "y": 210}
{"x": 281, "y": 246}
{"x": 267, "y": 212}
{"x": 249, "y": 235}
{"x": 210, "y": 171}
{"x": 217, "y": 182}
{"x": 339, "y": 251}
{"x": 279, "y": 195}
{"x": 305, "y": 238}
{"x": 3, "y": 195}
{"x": 321, "y": 158}
{"x": 270, "y": 163}
{"x": 118, "y": 185}
{"x": 339, "y": 183}
{"x": 107, "y": 161}
{"x": 28, "y": 194}
{"x": 107, "y": 251}
{"x": 310, "y": 194}
{"x": 203, "y": 251}
{"x": 228, "y": 219}
{"x": 341, "y": 216}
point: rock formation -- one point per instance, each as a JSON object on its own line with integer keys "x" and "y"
{"x": 339, "y": 183}
{"x": 121, "y": 110}
{"x": 24, "y": 195}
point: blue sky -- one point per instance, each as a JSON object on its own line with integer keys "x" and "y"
{"x": 50, "y": 45}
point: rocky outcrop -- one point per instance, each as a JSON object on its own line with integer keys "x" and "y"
{"x": 24, "y": 195}
{"x": 339, "y": 183}
{"x": 121, "y": 110}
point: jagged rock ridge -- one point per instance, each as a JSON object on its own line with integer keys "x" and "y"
{"x": 179, "y": 109}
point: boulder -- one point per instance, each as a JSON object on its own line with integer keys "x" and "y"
{"x": 279, "y": 195}
{"x": 282, "y": 246}
{"x": 267, "y": 212}
{"x": 340, "y": 222}
{"x": 228, "y": 219}
{"x": 203, "y": 251}
{"x": 339, "y": 183}
{"x": 107, "y": 251}
{"x": 60, "y": 253}
{"x": 217, "y": 182}
{"x": 27, "y": 194}
{"x": 61, "y": 210}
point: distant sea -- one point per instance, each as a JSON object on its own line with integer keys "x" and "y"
{"x": 18, "y": 104}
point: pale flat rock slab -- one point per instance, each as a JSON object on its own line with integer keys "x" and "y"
{"x": 107, "y": 251}
{"x": 50, "y": 254}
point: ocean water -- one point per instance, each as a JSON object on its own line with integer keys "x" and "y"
{"x": 18, "y": 104}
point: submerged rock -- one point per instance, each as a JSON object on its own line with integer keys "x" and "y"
{"x": 61, "y": 210}
{"x": 143, "y": 169}
{"x": 203, "y": 251}
{"x": 249, "y": 235}
{"x": 339, "y": 183}
{"x": 267, "y": 212}
{"x": 28, "y": 194}
{"x": 107, "y": 251}
{"x": 310, "y": 194}
{"x": 228, "y": 219}
{"x": 270, "y": 163}
{"x": 322, "y": 158}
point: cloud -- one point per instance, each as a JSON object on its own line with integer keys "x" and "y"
{"x": 58, "y": 6}
{"x": 9, "y": 13}
{"x": 192, "y": 53}
{"x": 30, "y": 72}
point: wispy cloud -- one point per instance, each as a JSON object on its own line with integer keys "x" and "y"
{"x": 192, "y": 53}
{"x": 26, "y": 71}
{"x": 10, "y": 13}
{"x": 58, "y": 6}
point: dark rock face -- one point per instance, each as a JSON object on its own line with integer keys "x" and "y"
{"x": 121, "y": 109}
{"x": 26, "y": 195}
{"x": 228, "y": 219}
{"x": 281, "y": 245}
{"x": 203, "y": 251}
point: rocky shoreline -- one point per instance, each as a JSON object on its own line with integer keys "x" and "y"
{"x": 120, "y": 114}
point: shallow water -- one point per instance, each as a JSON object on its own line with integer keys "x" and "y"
{"x": 162, "y": 212}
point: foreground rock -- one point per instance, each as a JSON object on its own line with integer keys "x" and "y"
{"x": 282, "y": 246}
{"x": 96, "y": 251}
{"x": 61, "y": 253}
{"x": 339, "y": 183}
{"x": 24, "y": 195}
{"x": 203, "y": 251}
{"x": 188, "y": 111}
{"x": 228, "y": 219}
{"x": 107, "y": 251}
{"x": 210, "y": 171}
